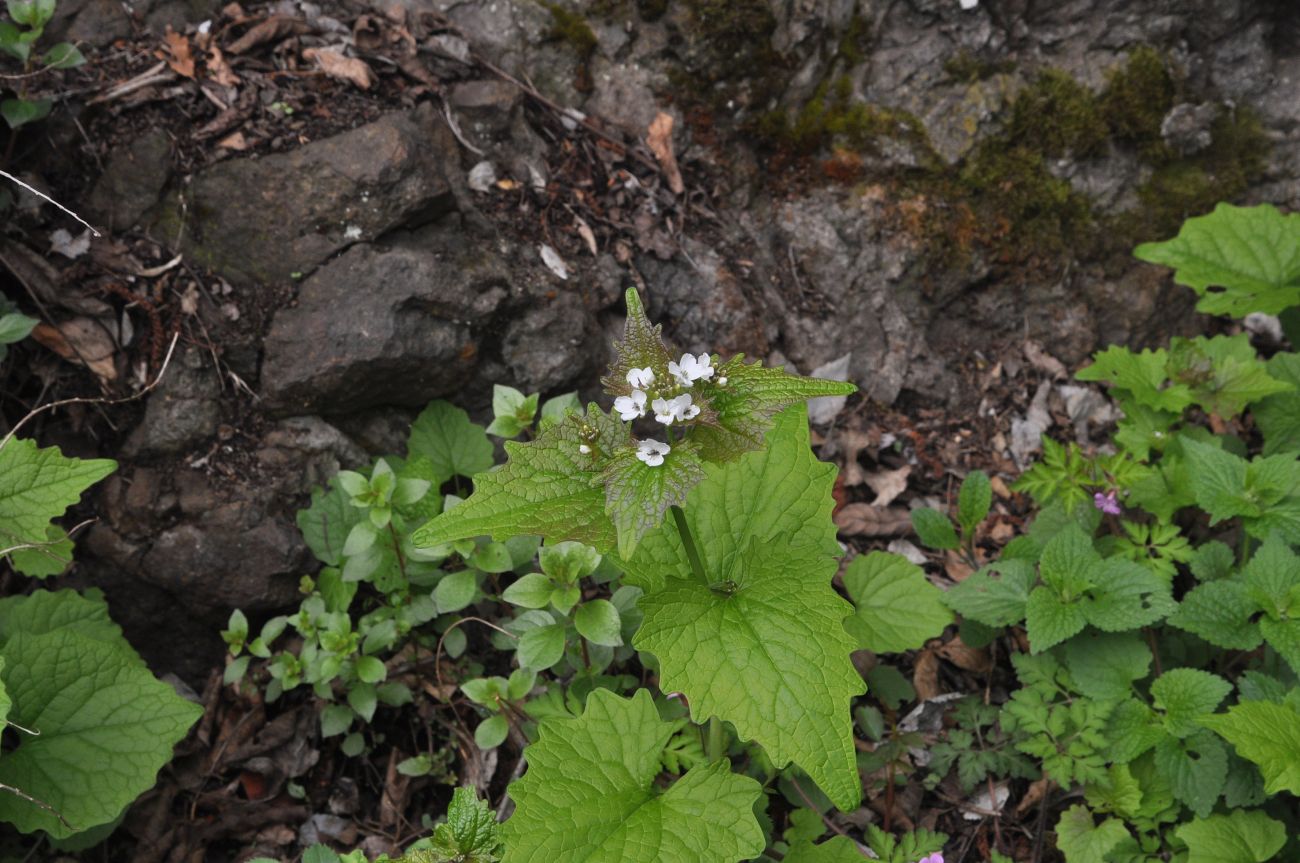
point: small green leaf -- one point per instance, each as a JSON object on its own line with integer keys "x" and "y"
{"x": 362, "y": 699}
{"x": 556, "y": 409}
{"x": 1237, "y": 837}
{"x": 1082, "y": 840}
{"x": 897, "y": 607}
{"x": 934, "y": 529}
{"x": 456, "y": 591}
{"x": 334, "y": 720}
{"x": 541, "y": 647}
{"x": 1250, "y": 254}
{"x": 530, "y": 591}
{"x": 20, "y": 112}
{"x": 1267, "y": 734}
{"x": 995, "y": 595}
{"x": 590, "y": 794}
{"x": 1105, "y": 665}
{"x": 471, "y": 833}
{"x": 597, "y": 621}
{"x": 491, "y": 557}
{"x": 1143, "y": 374}
{"x": 64, "y": 55}
{"x": 370, "y": 669}
{"x": 1221, "y": 612}
{"x": 1278, "y": 416}
{"x": 455, "y": 446}
{"x": 1049, "y": 619}
{"x": 642, "y": 345}
{"x": 420, "y": 765}
{"x": 15, "y": 327}
{"x": 566, "y": 562}
{"x": 974, "y": 500}
{"x": 492, "y": 732}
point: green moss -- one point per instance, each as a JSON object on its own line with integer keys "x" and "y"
{"x": 1040, "y": 213}
{"x": 570, "y": 27}
{"x": 856, "y": 41}
{"x": 1137, "y": 97}
{"x": 966, "y": 68}
{"x": 732, "y": 56}
{"x": 831, "y": 119}
{"x": 1057, "y": 115}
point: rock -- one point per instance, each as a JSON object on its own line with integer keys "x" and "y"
{"x": 133, "y": 181}
{"x": 183, "y": 411}
{"x": 384, "y": 324}
{"x": 267, "y": 219}
{"x": 1187, "y": 127}
{"x": 540, "y": 348}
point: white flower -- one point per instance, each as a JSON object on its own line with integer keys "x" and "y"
{"x": 969, "y": 4}
{"x": 679, "y": 408}
{"x": 641, "y": 378}
{"x": 722, "y": 381}
{"x": 691, "y": 368}
{"x": 630, "y": 407}
{"x": 584, "y": 449}
{"x": 652, "y": 452}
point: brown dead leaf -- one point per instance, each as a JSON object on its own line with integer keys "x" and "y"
{"x": 584, "y": 231}
{"x": 179, "y": 56}
{"x": 956, "y": 567}
{"x": 966, "y": 657}
{"x": 82, "y": 341}
{"x": 888, "y": 484}
{"x": 336, "y": 65}
{"x": 1001, "y": 532}
{"x": 218, "y": 69}
{"x": 852, "y": 442}
{"x": 1043, "y": 361}
{"x": 273, "y": 29}
{"x": 925, "y": 675}
{"x": 1000, "y": 487}
{"x": 234, "y": 141}
{"x": 660, "y": 141}
{"x": 1037, "y": 790}
{"x": 863, "y": 519}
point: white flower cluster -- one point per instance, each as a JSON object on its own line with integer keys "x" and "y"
{"x": 679, "y": 408}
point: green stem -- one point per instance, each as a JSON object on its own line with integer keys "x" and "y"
{"x": 714, "y": 747}
{"x": 688, "y": 542}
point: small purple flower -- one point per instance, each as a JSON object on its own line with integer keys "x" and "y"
{"x": 1107, "y": 504}
{"x": 936, "y": 857}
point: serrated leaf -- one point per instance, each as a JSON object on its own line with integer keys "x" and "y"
{"x": 745, "y": 406}
{"x": 766, "y": 652}
{"x": 471, "y": 833}
{"x": 974, "y": 500}
{"x": 36, "y": 486}
{"x": 454, "y": 446}
{"x": 590, "y": 794}
{"x": 996, "y": 594}
{"x": 837, "y": 849}
{"x": 1278, "y": 416}
{"x": 1049, "y": 619}
{"x": 1267, "y": 734}
{"x": 1105, "y": 665}
{"x": 1237, "y": 837}
{"x": 1126, "y": 595}
{"x": 1132, "y": 730}
{"x": 106, "y": 728}
{"x": 1196, "y": 767}
{"x": 1223, "y": 373}
{"x": 1220, "y": 612}
{"x": 1250, "y": 254}
{"x": 642, "y": 346}
{"x": 637, "y": 495}
{"x": 897, "y": 608}
{"x": 1185, "y": 695}
{"x": 1284, "y": 637}
{"x": 1144, "y": 375}
{"x": 934, "y": 529}
{"x": 547, "y": 488}
{"x": 1082, "y": 840}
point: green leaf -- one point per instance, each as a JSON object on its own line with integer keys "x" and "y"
{"x": 491, "y": 557}
{"x": 325, "y": 524}
{"x": 1126, "y": 595}
{"x": 897, "y": 607}
{"x": 1082, "y": 840}
{"x": 1105, "y": 665}
{"x": 541, "y": 647}
{"x": 1237, "y": 837}
{"x": 362, "y": 699}
{"x": 590, "y": 794}
{"x": 531, "y": 591}
{"x": 1250, "y": 254}
{"x": 566, "y": 562}
{"x": 837, "y": 849}
{"x": 513, "y": 411}
{"x": 1143, "y": 375}
{"x": 20, "y": 112}
{"x": 1049, "y": 619}
{"x": 370, "y": 669}
{"x": 934, "y": 529}
{"x": 15, "y": 327}
{"x": 64, "y": 55}
{"x": 1267, "y": 734}
{"x": 746, "y": 405}
{"x": 1196, "y": 768}
{"x": 547, "y": 488}
{"x": 1185, "y": 695}
{"x": 37, "y": 485}
{"x": 492, "y": 732}
{"x": 106, "y": 725}
{"x": 455, "y": 446}
{"x": 471, "y": 833}
{"x": 1223, "y": 373}
{"x": 1278, "y": 416}
{"x": 597, "y": 621}
{"x": 638, "y": 494}
{"x": 642, "y": 345}
{"x": 556, "y": 409}
{"x": 763, "y": 646}
{"x": 1221, "y": 612}
{"x": 974, "y": 500}
{"x": 994, "y": 601}
{"x": 455, "y": 591}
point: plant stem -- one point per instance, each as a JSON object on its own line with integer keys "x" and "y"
{"x": 688, "y": 542}
{"x": 714, "y": 747}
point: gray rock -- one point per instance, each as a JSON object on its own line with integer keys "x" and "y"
{"x": 183, "y": 411}
{"x": 384, "y": 324}
{"x": 1187, "y": 127}
{"x": 133, "y": 181}
{"x": 266, "y": 219}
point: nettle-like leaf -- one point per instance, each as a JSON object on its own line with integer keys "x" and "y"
{"x": 454, "y": 446}
{"x": 837, "y": 849}
{"x": 1144, "y": 376}
{"x": 1278, "y": 416}
{"x": 1267, "y": 734}
{"x": 1105, "y": 665}
{"x": 897, "y": 608}
{"x": 36, "y": 486}
{"x": 106, "y": 725}
{"x": 547, "y": 487}
{"x": 471, "y": 832}
{"x": 1263, "y": 492}
{"x": 762, "y": 646}
{"x": 1251, "y": 255}
{"x": 1223, "y": 373}
{"x": 996, "y": 594}
{"x": 642, "y": 347}
{"x": 637, "y": 495}
{"x": 1237, "y": 837}
{"x": 1082, "y": 840}
{"x": 590, "y": 794}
